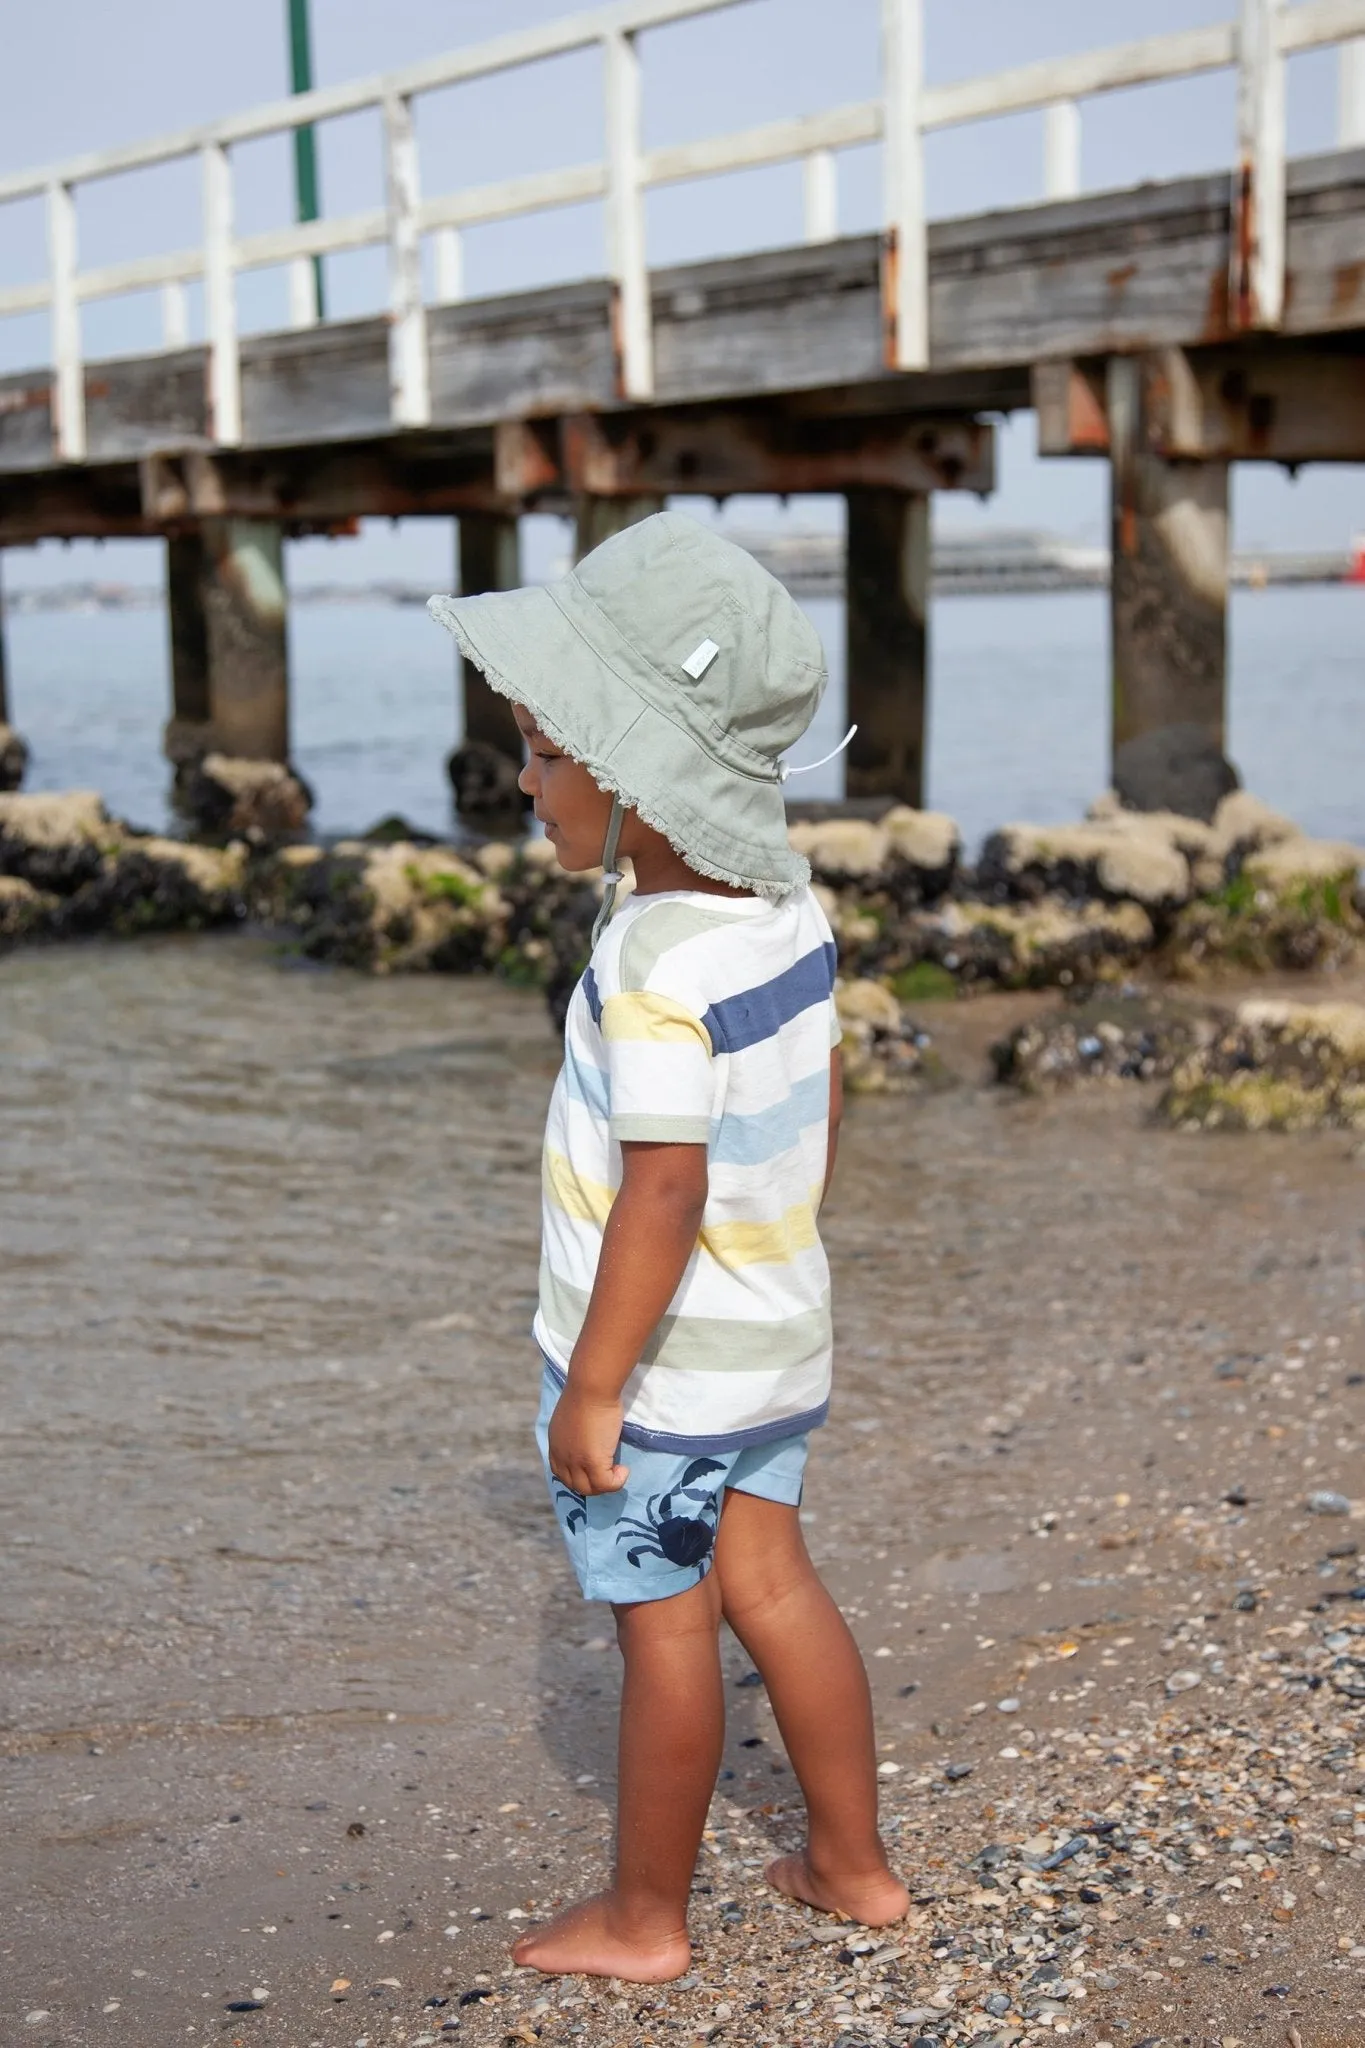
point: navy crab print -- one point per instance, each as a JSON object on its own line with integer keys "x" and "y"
{"x": 576, "y": 1516}
{"x": 668, "y": 1531}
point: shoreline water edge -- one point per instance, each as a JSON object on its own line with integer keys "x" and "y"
{"x": 1138, "y": 919}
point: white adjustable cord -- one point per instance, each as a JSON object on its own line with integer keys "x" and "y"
{"x": 784, "y": 769}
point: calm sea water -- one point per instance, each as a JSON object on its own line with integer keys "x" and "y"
{"x": 1019, "y": 720}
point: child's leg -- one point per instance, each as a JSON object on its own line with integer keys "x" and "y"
{"x": 776, "y": 1604}
{"x": 672, "y": 1729}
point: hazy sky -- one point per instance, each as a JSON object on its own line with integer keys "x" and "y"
{"x": 85, "y": 74}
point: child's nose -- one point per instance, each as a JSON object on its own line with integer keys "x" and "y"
{"x": 528, "y": 782}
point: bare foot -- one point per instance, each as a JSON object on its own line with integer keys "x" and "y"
{"x": 875, "y": 1900}
{"x": 590, "y": 1940}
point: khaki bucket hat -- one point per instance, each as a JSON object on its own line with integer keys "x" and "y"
{"x": 678, "y": 671}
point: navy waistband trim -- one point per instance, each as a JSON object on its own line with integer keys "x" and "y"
{"x": 710, "y": 1446}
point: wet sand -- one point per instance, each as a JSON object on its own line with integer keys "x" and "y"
{"x": 294, "y": 1680}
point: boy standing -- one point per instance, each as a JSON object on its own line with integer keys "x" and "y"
{"x": 684, "y": 1294}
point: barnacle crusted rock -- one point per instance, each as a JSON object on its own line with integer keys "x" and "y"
{"x": 1277, "y": 1066}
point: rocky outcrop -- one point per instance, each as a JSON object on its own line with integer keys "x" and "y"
{"x": 907, "y": 857}
{"x": 89, "y": 873}
{"x": 25, "y": 912}
{"x": 484, "y": 782}
{"x": 1178, "y": 768}
{"x": 884, "y": 1049}
{"x": 1286, "y": 903}
{"x": 1108, "y": 1037}
{"x": 13, "y": 758}
{"x": 223, "y": 797}
{"x": 388, "y": 908}
{"x": 1274, "y": 1066}
{"x": 1124, "y": 857}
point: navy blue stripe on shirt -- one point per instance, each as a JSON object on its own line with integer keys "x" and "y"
{"x": 591, "y": 997}
{"x": 757, "y": 1013}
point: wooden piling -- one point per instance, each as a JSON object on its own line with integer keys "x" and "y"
{"x": 1169, "y": 584}
{"x": 489, "y": 549}
{"x": 190, "y": 701}
{"x": 4, "y": 669}
{"x": 886, "y": 641}
{"x": 597, "y": 519}
{"x": 245, "y": 634}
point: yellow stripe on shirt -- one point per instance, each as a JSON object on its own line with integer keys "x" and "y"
{"x": 730, "y": 1244}
{"x": 585, "y": 1200}
{"x": 649, "y": 1019}
{"x": 763, "y": 1244}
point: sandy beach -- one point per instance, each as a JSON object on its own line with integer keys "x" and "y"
{"x": 301, "y": 1714}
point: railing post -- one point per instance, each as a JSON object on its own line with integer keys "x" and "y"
{"x": 175, "y": 319}
{"x": 1256, "y": 257}
{"x": 303, "y": 292}
{"x": 905, "y": 258}
{"x": 626, "y": 218}
{"x": 68, "y": 383}
{"x": 821, "y": 196}
{"x": 409, "y": 383}
{"x": 1062, "y": 150}
{"x": 449, "y": 266}
{"x": 1351, "y": 94}
{"x": 220, "y": 300}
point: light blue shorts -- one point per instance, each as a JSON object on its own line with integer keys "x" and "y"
{"x": 656, "y": 1536}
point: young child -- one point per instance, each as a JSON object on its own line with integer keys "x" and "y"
{"x": 684, "y": 1311}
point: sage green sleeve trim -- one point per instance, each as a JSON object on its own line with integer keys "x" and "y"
{"x": 661, "y": 1130}
{"x": 655, "y": 931}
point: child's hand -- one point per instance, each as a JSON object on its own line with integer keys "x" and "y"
{"x": 585, "y": 1430}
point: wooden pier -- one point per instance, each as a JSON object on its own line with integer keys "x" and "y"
{"x": 1171, "y": 329}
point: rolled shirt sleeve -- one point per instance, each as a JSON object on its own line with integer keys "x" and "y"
{"x": 662, "y": 1069}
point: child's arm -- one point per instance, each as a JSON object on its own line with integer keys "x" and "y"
{"x": 650, "y": 1235}
{"x": 836, "y": 1116}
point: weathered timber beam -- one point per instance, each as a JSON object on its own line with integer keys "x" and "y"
{"x": 1232, "y": 406}
{"x": 1274, "y": 404}
{"x": 717, "y": 452}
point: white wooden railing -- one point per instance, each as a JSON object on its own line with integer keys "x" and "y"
{"x": 1257, "y": 44}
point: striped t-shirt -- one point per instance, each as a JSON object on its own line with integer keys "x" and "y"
{"x": 704, "y": 1020}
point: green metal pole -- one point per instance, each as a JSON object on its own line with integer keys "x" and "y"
{"x": 305, "y": 145}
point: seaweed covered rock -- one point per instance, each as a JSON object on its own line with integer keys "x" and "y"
{"x": 905, "y": 857}
{"x": 1108, "y": 1037}
{"x": 224, "y": 797}
{"x": 1289, "y": 904}
{"x": 25, "y": 912}
{"x": 884, "y": 1050}
{"x": 94, "y": 875}
{"x": 1275, "y": 1066}
{"x": 1047, "y": 944}
{"x": 55, "y": 842}
{"x": 1120, "y": 857}
{"x": 146, "y": 884}
{"x": 394, "y": 908}
{"x": 13, "y": 758}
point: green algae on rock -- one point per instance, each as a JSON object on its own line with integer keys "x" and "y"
{"x": 1276, "y": 1066}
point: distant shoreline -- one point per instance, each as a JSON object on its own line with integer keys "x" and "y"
{"x": 811, "y": 568}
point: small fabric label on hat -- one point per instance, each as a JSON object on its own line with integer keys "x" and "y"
{"x": 700, "y": 659}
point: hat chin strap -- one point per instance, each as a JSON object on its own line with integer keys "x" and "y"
{"x": 611, "y": 875}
